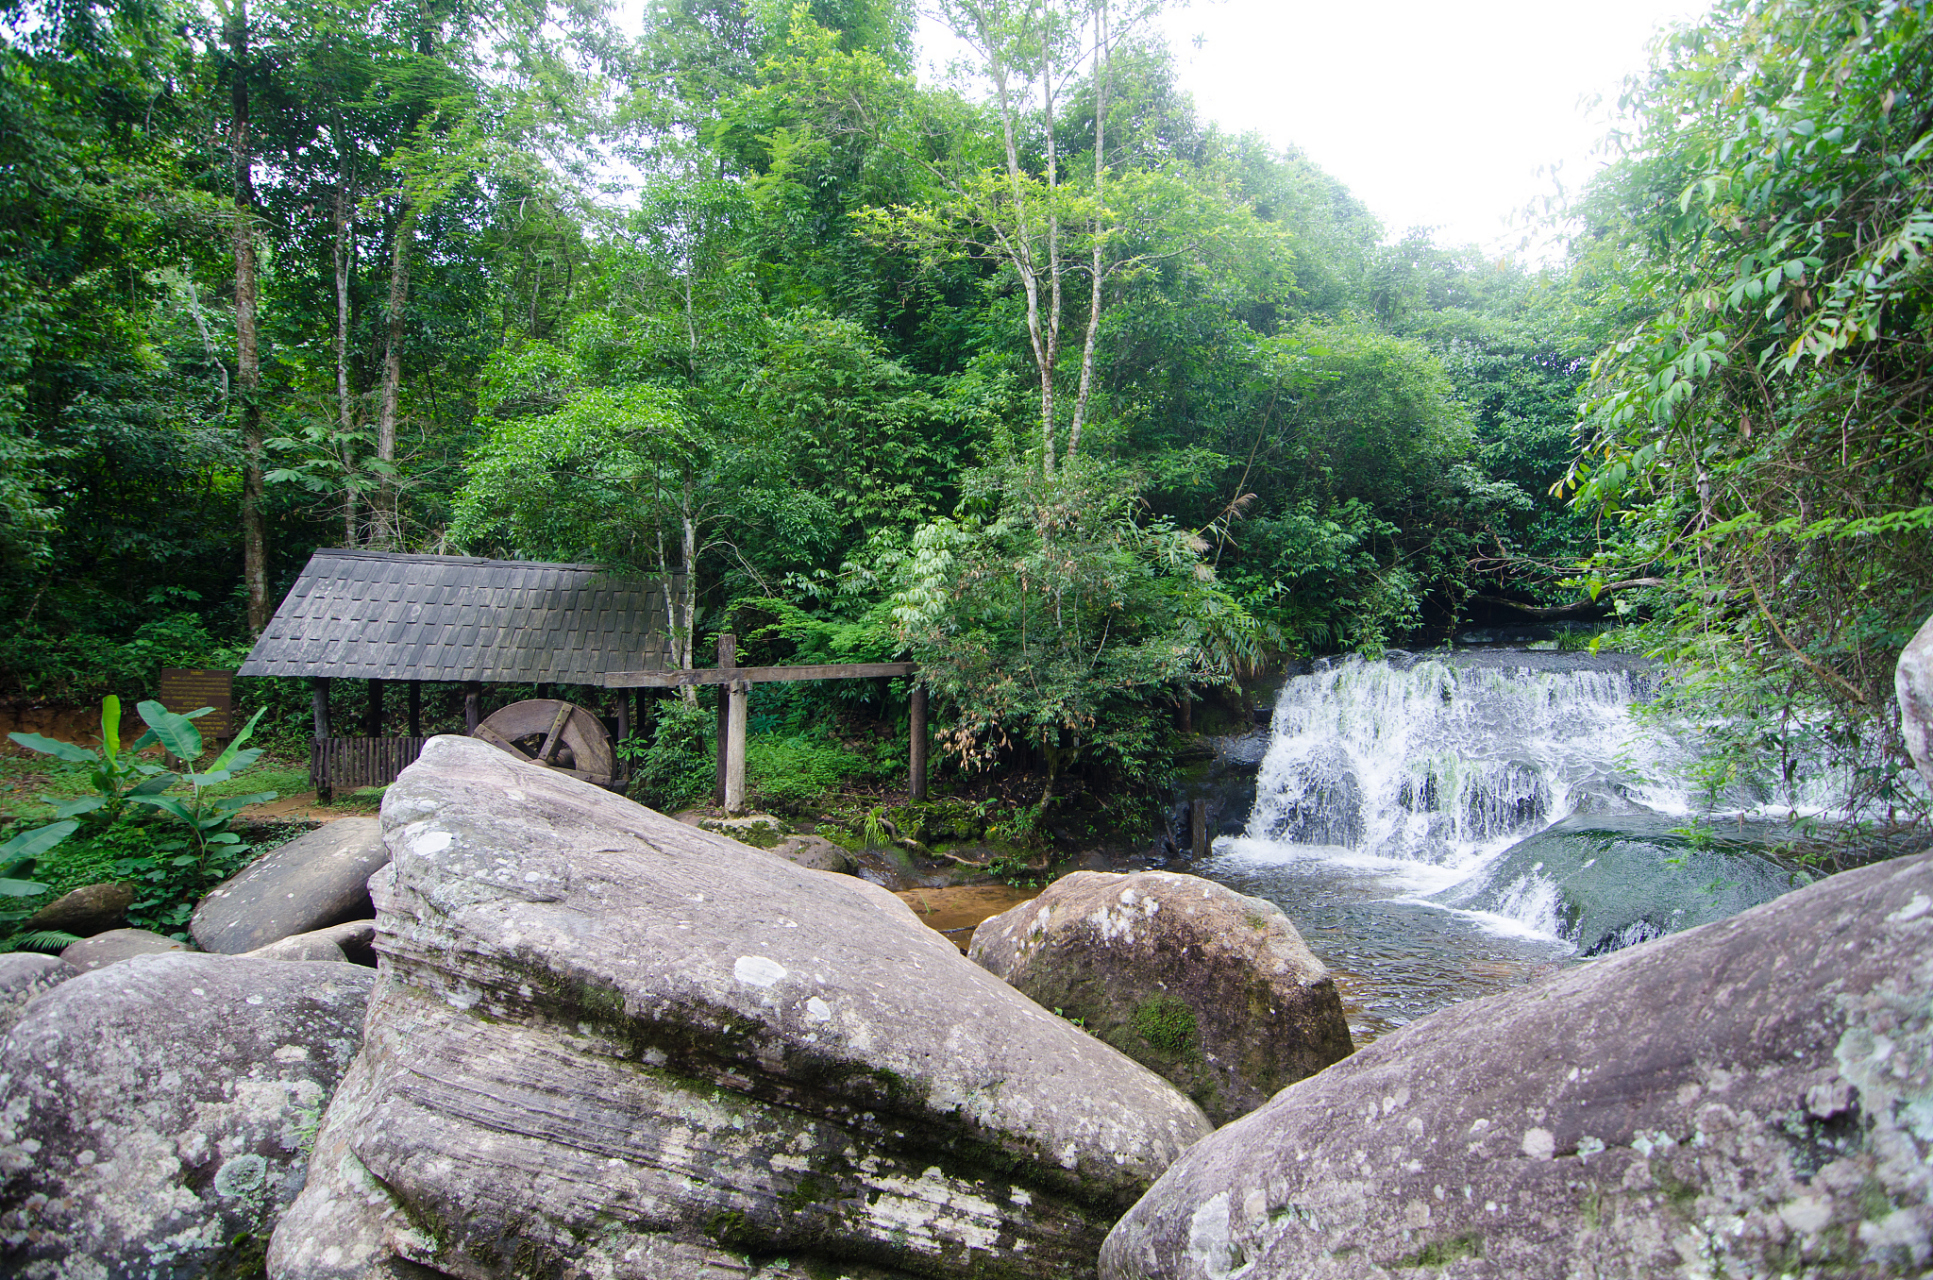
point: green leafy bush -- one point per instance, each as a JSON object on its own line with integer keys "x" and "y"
{"x": 788, "y": 774}
{"x": 677, "y": 769}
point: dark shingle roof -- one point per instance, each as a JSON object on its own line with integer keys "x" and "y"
{"x": 385, "y": 616}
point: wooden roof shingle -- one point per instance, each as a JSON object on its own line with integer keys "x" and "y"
{"x": 378, "y": 615}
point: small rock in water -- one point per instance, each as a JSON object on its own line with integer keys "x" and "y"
{"x": 1913, "y": 685}
{"x": 1750, "y": 1098}
{"x": 604, "y": 1043}
{"x": 115, "y": 946}
{"x": 155, "y": 1116}
{"x": 1214, "y": 990}
{"x": 84, "y": 912}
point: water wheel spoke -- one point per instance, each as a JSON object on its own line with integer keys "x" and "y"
{"x": 500, "y": 742}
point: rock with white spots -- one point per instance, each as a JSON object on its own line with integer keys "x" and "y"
{"x": 156, "y": 1114}
{"x": 318, "y": 879}
{"x": 354, "y": 942}
{"x": 606, "y": 1044}
{"x": 1214, "y": 990}
{"x": 1913, "y": 685}
{"x": 1749, "y": 1098}
{"x": 25, "y": 975}
{"x": 115, "y": 946}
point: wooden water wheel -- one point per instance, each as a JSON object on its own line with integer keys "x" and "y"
{"x": 556, "y": 734}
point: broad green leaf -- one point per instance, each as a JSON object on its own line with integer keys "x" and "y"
{"x": 75, "y": 808}
{"x": 21, "y": 888}
{"x": 54, "y": 747}
{"x": 173, "y": 732}
{"x": 111, "y": 726}
{"x": 31, "y": 844}
{"x": 155, "y": 785}
{"x": 167, "y": 804}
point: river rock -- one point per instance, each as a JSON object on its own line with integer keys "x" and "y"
{"x": 604, "y": 1043}
{"x": 84, "y": 912}
{"x": 815, "y": 853}
{"x": 1753, "y": 1097}
{"x": 24, "y": 975}
{"x": 1913, "y": 684}
{"x": 115, "y": 946}
{"x": 1214, "y": 990}
{"x": 353, "y": 942}
{"x": 318, "y": 879}
{"x": 155, "y": 1116}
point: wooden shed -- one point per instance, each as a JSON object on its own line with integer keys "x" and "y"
{"x": 388, "y": 618}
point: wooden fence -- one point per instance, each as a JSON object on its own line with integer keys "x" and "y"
{"x": 343, "y": 764}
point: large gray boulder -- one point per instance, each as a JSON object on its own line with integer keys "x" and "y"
{"x": 1214, "y": 990}
{"x": 1750, "y": 1098}
{"x": 354, "y": 942}
{"x": 156, "y": 1115}
{"x": 25, "y": 975}
{"x": 1913, "y": 684}
{"x": 115, "y": 946}
{"x": 604, "y": 1043}
{"x": 84, "y": 912}
{"x": 318, "y": 879}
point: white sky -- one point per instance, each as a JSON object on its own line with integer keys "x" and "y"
{"x": 1434, "y": 112}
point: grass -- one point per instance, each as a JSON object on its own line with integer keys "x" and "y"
{"x": 24, "y": 779}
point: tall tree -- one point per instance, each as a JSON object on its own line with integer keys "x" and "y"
{"x": 248, "y": 358}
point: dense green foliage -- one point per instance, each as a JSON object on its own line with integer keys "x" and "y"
{"x": 1759, "y": 437}
{"x": 1035, "y": 377}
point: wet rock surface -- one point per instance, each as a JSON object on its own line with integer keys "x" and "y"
{"x": 318, "y": 879}
{"x": 1753, "y": 1097}
{"x": 604, "y": 1043}
{"x": 84, "y": 912}
{"x": 1214, "y": 990}
{"x": 24, "y": 975}
{"x": 155, "y": 1115}
{"x": 115, "y": 946}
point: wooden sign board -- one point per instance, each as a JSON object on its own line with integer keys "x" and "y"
{"x": 185, "y": 689}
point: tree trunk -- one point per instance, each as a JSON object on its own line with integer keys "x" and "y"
{"x": 248, "y": 360}
{"x": 386, "y": 530}
{"x": 1103, "y": 67}
{"x": 345, "y": 249}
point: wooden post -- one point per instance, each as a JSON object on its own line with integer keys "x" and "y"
{"x": 544, "y": 690}
{"x": 372, "y": 716}
{"x": 319, "y": 753}
{"x": 416, "y": 708}
{"x": 916, "y": 781}
{"x": 623, "y": 735}
{"x": 1198, "y": 828}
{"x": 472, "y": 705}
{"x": 738, "y": 704}
{"x": 727, "y": 659}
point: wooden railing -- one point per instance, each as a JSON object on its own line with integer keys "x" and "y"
{"x": 343, "y": 764}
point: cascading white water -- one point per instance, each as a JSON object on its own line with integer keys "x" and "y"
{"x": 1443, "y": 825}
{"x": 1447, "y": 761}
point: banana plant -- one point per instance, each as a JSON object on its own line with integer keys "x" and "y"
{"x": 117, "y": 777}
{"x": 206, "y": 819}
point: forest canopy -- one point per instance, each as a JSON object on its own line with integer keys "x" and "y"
{"x": 1034, "y": 376}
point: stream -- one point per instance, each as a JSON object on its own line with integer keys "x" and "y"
{"x": 1448, "y": 825}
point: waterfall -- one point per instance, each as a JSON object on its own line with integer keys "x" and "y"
{"x": 1447, "y": 759}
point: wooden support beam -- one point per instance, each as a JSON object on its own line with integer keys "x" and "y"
{"x": 755, "y": 675}
{"x": 737, "y": 703}
{"x": 319, "y": 699}
{"x": 623, "y": 736}
{"x": 1198, "y": 828}
{"x": 372, "y": 716}
{"x": 727, "y": 663}
{"x": 472, "y": 705}
{"x": 916, "y": 773}
{"x": 416, "y": 708}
